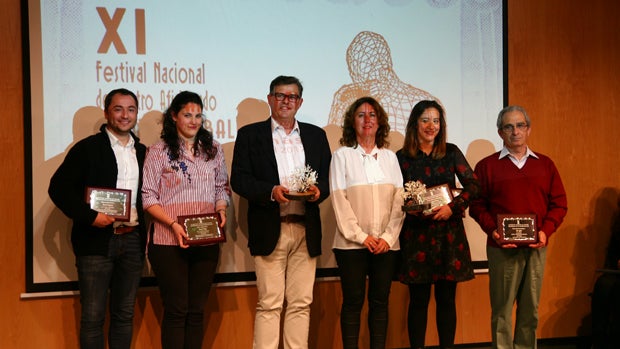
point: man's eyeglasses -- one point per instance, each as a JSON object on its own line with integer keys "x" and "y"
{"x": 509, "y": 128}
{"x": 281, "y": 96}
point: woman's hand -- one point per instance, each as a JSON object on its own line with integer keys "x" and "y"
{"x": 371, "y": 243}
{"x": 442, "y": 213}
{"x": 222, "y": 212}
{"x": 180, "y": 234}
{"x": 382, "y": 246}
{"x": 376, "y": 245}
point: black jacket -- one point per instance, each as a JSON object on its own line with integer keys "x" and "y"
{"x": 255, "y": 173}
{"x": 91, "y": 162}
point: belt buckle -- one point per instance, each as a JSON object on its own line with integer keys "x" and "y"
{"x": 121, "y": 229}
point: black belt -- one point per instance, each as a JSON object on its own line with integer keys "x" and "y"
{"x": 124, "y": 229}
{"x": 292, "y": 218}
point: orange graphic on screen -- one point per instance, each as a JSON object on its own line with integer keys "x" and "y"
{"x": 370, "y": 66}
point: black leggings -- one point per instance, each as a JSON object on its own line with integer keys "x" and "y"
{"x": 353, "y": 266}
{"x": 184, "y": 277}
{"x": 419, "y": 297}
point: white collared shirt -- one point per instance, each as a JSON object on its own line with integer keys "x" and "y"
{"x": 290, "y": 156}
{"x": 519, "y": 163}
{"x": 128, "y": 171}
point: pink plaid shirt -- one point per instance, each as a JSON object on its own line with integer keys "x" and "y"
{"x": 182, "y": 187}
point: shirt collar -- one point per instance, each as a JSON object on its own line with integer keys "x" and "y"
{"x": 114, "y": 140}
{"x": 373, "y": 153}
{"x": 504, "y": 152}
{"x": 275, "y": 126}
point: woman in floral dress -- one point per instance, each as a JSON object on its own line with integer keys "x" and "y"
{"x": 433, "y": 244}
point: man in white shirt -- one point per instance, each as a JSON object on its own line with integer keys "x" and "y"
{"x": 109, "y": 247}
{"x": 284, "y": 235}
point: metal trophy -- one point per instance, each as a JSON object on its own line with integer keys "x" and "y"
{"x": 413, "y": 194}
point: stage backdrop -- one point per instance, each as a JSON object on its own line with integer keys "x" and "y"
{"x": 399, "y": 51}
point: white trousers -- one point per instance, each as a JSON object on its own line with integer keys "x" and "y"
{"x": 286, "y": 274}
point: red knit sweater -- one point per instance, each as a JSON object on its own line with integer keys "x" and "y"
{"x": 536, "y": 188}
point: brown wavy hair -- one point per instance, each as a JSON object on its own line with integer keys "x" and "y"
{"x": 349, "y": 137}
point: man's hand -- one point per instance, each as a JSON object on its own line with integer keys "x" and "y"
{"x": 317, "y": 193}
{"x": 278, "y": 194}
{"x": 496, "y": 238}
{"x": 542, "y": 240}
{"x": 102, "y": 220}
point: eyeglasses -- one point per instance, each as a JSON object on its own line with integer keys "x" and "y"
{"x": 281, "y": 96}
{"x": 509, "y": 128}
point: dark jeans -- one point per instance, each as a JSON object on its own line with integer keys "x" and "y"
{"x": 184, "y": 277}
{"x": 419, "y": 297}
{"x": 353, "y": 266}
{"x": 606, "y": 312}
{"x": 119, "y": 272}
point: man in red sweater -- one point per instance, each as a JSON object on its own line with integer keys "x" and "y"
{"x": 517, "y": 181}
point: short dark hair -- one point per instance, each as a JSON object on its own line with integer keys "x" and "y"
{"x": 121, "y": 91}
{"x": 349, "y": 138}
{"x": 285, "y": 80}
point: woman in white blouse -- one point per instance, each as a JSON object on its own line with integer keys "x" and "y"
{"x": 366, "y": 189}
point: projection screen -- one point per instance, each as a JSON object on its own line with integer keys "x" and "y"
{"x": 399, "y": 51}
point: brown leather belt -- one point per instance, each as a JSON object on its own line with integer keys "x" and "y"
{"x": 292, "y": 218}
{"x": 124, "y": 229}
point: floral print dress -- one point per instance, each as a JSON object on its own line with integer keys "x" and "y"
{"x": 437, "y": 250}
